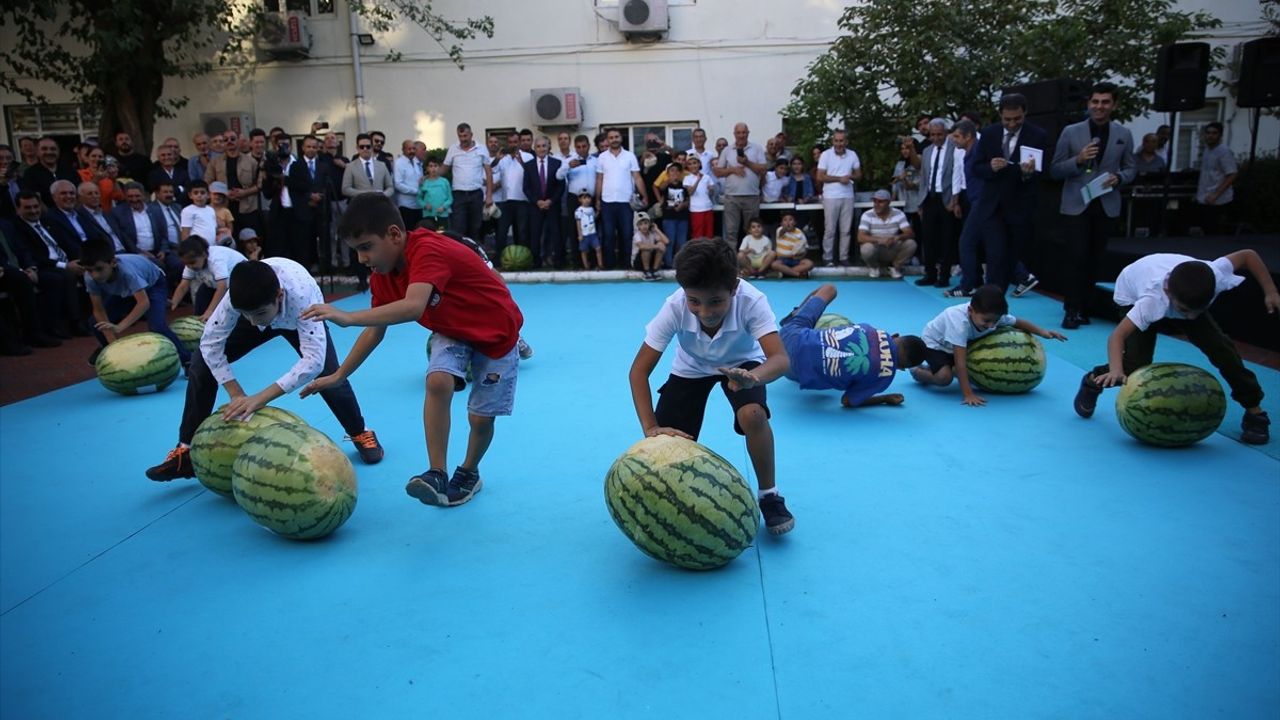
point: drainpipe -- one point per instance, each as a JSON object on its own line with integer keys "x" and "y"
{"x": 356, "y": 69}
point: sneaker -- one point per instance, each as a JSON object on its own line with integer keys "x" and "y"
{"x": 873, "y": 272}
{"x": 895, "y": 273}
{"x": 464, "y": 485}
{"x": 524, "y": 348}
{"x": 1087, "y": 397}
{"x": 957, "y": 292}
{"x": 368, "y": 446}
{"x": 1025, "y": 286}
{"x": 777, "y": 519}
{"x": 828, "y": 263}
{"x": 177, "y": 464}
{"x": 431, "y": 487}
{"x": 1072, "y": 320}
{"x": 1256, "y": 429}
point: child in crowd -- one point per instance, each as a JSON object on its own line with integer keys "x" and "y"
{"x": 585, "y": 219}
{"x": 222, "y": 214}
{"x": 675, "y": 212}
{"x": 775, "y": 182}
{"x": 198, "y": 218}
{"x": 792, "y": 247}
{"x": 123, "y": 288}
{"x": 799, "y": 184}
{"x": 447, "y": 288}
{"x": 698, "y": 188}
{"x": 207, "y": 269}
{"x": 755, "y": 254}
{"x": 858, "y": 359}
{"x": 726, "y": 335}
{"x": 648, "y": 244}
{"x": 436, "y": 197}
{"x": 250, "y": 244}
{"x": 948, "y": 335}
{"x": 265, "y": 300}
{"x": 1171, "y": 292}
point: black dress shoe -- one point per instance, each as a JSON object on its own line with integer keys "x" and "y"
{"x": 1071, "y": 321}
{"x": 926, "y": 281}
{"x": 1084, "y": 319}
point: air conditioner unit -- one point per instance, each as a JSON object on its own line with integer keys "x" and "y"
{"x": 217, "y": 123}
{"x": 285, "y": 35}
{"x": 556, "y": 106}
{"x": 643, "y": 18}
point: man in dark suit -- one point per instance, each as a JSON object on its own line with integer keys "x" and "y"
{"x": 17, "y": 284}
{"x": 544, "y": 190}
{"x": 1011, "y": 189}
{"x": 52, "y": 254}
{"x": 91, "y": 205}
{"x": 937, "y": 210}
{"x": 1097, "y": 147}
{"x": 168, "y": 169}
{"x": 141, "y": 225}
{"x": 308, "y": 183}
{"x": 70, "y": 217}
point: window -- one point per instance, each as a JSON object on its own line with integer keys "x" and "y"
{"x": 307, "y": 7}
{"x": 679, "y": 135}
{"x": 1187, "y": 147}
{"x": 68, "y": 123}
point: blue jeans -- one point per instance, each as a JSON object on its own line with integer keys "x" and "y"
{"x": 616, "y": 228}
{"x": 117, "y": 307}
{"x": 677, "y": 231}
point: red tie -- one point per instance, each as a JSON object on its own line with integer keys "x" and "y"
{"x": 542, "y": 175}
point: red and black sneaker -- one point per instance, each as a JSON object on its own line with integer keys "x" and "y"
{"x": 368, "y": 446}
{"x": 176, "y": 465}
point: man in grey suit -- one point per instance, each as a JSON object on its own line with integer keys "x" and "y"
{"x": 366, "y": 173}
{"x": 938, "y": 174}
{"x": 1086, "y": 151}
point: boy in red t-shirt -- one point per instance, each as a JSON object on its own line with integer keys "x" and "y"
{"x": 446, "y": 288}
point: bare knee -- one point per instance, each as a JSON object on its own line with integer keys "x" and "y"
{"x": 440, "y": 384}
{"x": 752, "y": 419}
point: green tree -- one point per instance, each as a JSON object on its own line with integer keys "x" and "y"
{"x": 115, "y": 55}
{"x": 894, "y": 61}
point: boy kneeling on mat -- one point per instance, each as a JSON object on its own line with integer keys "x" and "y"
{"x": 1171, "y": 292}
{"x": 265, "y": 301}
{"x": 858, "y": 359}
{"x": 726, "y": 335}
{"x": 441, "y": 284}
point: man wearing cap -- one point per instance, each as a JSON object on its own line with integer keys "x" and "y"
{"x": 885, "y": 237}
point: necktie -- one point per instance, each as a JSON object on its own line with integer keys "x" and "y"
{"x": 53, "y": 245}
{"x": 933, "y": 175}
{"x": 75, "y": 223}
{"x": 368, "y": 169}
{"x": 173, "y": 229}
{"x": 311, "y": 168}
{"x": 106, "y": 228}
{"x": 542, "y": 175}
{"x": 1008, "y": 145}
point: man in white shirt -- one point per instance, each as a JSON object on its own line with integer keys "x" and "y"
{"x": 942, "y": 171}
{"x": 472, "y": 180}
{"x": 407, "y": 176}
{"x": 838, "y": 170}
{"x": 617, "y": 176}
{"x": 514, "y": 220}
{"x": 707, "y": 156}
{"x": 739, "y": 169}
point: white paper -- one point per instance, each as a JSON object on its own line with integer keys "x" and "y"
{"x": 1030, "y": 153}
{"x": 1095, "y": 188}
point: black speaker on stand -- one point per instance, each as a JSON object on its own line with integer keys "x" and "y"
{"x": 1182, "y": 72}
{"x": 1259, "y": 82}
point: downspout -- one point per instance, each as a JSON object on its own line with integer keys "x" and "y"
{"x": 357, "y": 70}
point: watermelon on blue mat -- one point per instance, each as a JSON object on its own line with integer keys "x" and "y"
{"x": 189, "y": 330}
{"x": 217, "y": 442}
{"x": 681, "y": 503}
{"x": 138, "y": 363}
{"x": 1171, "y": 404}
{"x": 830, "y": 320}
{"x": 294, "y": 481}
{"x": 1008, "y": 360}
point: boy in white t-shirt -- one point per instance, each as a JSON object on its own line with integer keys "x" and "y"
{"x": 585, "y": 219}
{"x": 198, "y": 218}
{"x": 947, "y": 337}
{"x": 648, "y": 244}
{"x": 726, "y": 335}
{"x": 755, "y": 254}
{"x": 207, "y": 270}
{"x": 1171, "y": 292}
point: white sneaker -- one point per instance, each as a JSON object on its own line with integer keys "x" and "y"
{"x": 895, "y": 273}
{"x": 525, "y": 350}
{"x": 874, "y": 272}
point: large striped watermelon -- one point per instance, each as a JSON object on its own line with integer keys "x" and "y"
{"x": 830, "y": 320}
{"x": 1008, "y": 360}
{"x": 294, "y": 481}
{"x": 681, "y": 503}
{"x": 188, "y": 329}
{"x": 217, "y": 442}
{"x": 1171, "y": 404}
{"x": 516, "y": 257}
{"x": 138, "y": 363}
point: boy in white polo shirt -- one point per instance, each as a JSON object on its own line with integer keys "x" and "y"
{"x": 198, "y": 218}
{"x": 207, "y": 269}
{"x": 727, "y": 335}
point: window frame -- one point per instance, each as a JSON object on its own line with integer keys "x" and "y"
{"x": 1186, "y": 133}
{"x": 668, "y": 126}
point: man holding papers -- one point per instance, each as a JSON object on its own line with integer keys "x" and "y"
{"x": 1092, "y": 158}
{"x": 1010, "y": 157}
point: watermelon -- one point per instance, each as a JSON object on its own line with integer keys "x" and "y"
{"x": 516, "y": 257}
{"x": 189, "y": 329}
{"x": 681, "y": 503}
{"x": 217, "y": 442}
{"x": 294, "y": 481}
{"x": 830, "y": 320}
{"x": 1008, "y": 360}
{"x": 138, "y": 363}
{"x": 1171, "y": 404}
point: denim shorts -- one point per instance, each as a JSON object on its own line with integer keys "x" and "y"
{"x": 493, "y": 388}
{"x": 588, "y": 242}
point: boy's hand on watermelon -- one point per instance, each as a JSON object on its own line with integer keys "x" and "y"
{"x": 740, "y": 379}
{"x": 974, "y": 400}
{"x": 674, "y": 432}
{"x": 1110, "y": 379}
{"x": 106, "y": 327}
{"x": 242, "y": 407}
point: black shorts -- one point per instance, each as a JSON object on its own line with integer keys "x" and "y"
{"x": 682, "y": 402}
{"x": 938, "y": 359}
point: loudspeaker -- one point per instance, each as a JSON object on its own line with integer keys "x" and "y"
{"x": 1182, "y": 71}
{"x": 1053, "y": 104}
{"x": 1259, "y": 73}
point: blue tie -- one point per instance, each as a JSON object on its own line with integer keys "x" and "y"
{"x": 368, "y": 169}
